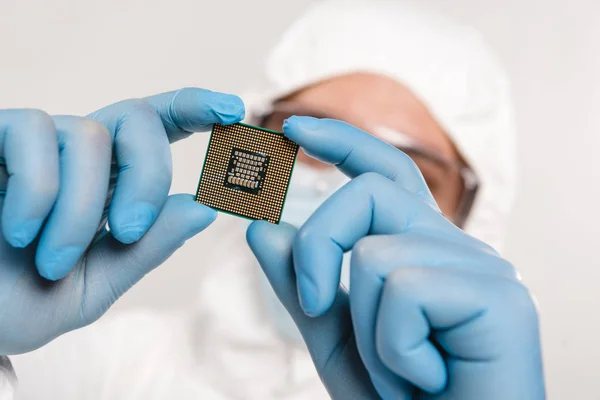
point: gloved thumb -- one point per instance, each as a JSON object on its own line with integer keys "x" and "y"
{"x": 112, "y": 267}
{"x": 329, "y": 338}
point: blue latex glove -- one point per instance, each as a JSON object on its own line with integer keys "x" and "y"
{"x": 58, "y": 193}
{"x": 432, "y": 313}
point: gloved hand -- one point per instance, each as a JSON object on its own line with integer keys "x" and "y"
{"x": 59, "y": 192}
{"x": 432, "y": 313}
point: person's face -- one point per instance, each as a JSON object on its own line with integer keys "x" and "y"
{"x": 368, "y": 100}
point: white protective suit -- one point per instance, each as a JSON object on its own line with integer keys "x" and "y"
{"x": 229, "y": 347}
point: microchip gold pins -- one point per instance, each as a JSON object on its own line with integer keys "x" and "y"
{"x": 247, "y": 171}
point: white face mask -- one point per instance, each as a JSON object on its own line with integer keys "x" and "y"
{"x": 309, "y": 188}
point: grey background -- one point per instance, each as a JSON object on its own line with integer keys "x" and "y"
{"x": 69, "y": 56}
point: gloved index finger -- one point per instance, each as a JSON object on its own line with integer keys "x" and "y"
{"x": 191, "y": 110}
{"x": 29, "y": 150}
{"x": 356, "y": 152}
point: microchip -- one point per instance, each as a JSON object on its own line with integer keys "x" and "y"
{"x": 247, "y": 171}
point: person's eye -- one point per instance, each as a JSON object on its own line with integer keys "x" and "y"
{"x": 275, "y": 121}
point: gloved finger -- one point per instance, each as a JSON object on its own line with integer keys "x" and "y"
{"x": 29, "y": 151}
{"x": 356, "y": 152}
{"x": 112, "y": 267}
{"x": 191, "y": 110}
{"x": 374, "y": 258}
{"x": 368, "y": 205}
{"x": 143, "y": 158}
{"x": 486, "y": 325}
{"x": 330, "y": 339}
{"x": 85, "y": 156}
